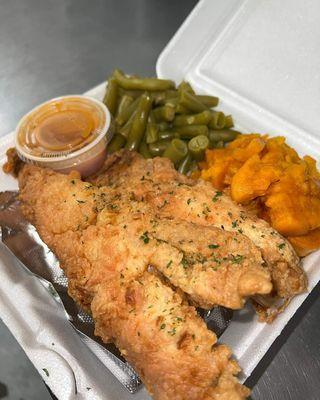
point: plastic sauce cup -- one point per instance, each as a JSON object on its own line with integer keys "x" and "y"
{"x": 65, "y": 134}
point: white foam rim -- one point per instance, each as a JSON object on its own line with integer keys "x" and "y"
{"x": 77, "y": 153}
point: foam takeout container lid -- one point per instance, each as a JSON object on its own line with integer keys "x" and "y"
{"x": 262, "y": 59}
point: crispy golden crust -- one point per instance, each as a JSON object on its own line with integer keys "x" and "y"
{"x": 107, "y": 266}
{"x": 171, "y": 194}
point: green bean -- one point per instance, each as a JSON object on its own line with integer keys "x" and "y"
{"x": 152, "y": 133}
{"x": 170, "y": 96}
{"x": 139, "y": 123}
{"x": 191, "y": 102}
{"x": 125, "y": 129}
{"x": 202, "y": 118}
{"x": 123, "y": 117}
{"x": 216, "y": 145}
{"x": 185, "y": 86}
{"x": 226, "y": 135}
{"x": 172, "y": 102}
{"x": 168, "y": 135}
{"x": 197, "y": 146}
{"x": 209, "y": 101}
{"x": 176, "y": 151}
{"x": 152, "y": 84}
{"x": 190, "y": 131}
{"x": 182, "y": 110}
{"x": 163, "y": 126}
{"x": 193, "y": 167}
{"x": 144, "y": 150}
{"x": 111, "y": 97}
{"x": 218, "y": 120}
{"x": 116, "y": 143}
{"x": 164, "y": 113}
{"x": 124, "y": 102}
{"x": 158, "y": 97}
{"x": 185, "y": 164}
{"x": 156, "y": 149}
{"x": 229, "y": 122}
{"x": 132, "y": 93}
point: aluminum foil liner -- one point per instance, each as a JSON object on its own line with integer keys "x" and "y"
{"x": 23, "y": 241}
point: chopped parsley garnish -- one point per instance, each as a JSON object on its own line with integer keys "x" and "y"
{"x": 172, "y": 332}
{"x": 162, "y": 326}
{"x": 237, "y": 259}
{"x": 234, "y": 224}
{"x": 169, "y": 263}
{"x": 216, "y": 196}
{"x": 281, "y": 246}
{"x": 145, "y": 238}
{"x": 45, "y": 371}
{"x": 213, "y": 246}
{"x": 184, "y": 262}
{"x": 80, "y": 201}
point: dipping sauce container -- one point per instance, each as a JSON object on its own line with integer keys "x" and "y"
{"x": 66, "y": 133}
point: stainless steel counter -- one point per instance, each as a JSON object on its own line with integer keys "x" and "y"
{"x": 54, "y": 47}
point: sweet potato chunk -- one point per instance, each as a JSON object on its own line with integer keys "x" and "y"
{"x": 257, "y": 168}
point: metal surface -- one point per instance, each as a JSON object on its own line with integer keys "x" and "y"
{"x": 55, "y": 47}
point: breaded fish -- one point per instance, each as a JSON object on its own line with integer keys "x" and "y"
{"x": 173, "y": 195}
{"x": 106, "y": 260}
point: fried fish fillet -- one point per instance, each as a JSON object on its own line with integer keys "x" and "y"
{"x": 173, "y": 195}
{"x": 106, "y": 261}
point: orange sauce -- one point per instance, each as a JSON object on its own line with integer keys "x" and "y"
{"x": 60, "y": 127}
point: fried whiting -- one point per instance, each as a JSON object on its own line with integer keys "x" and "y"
{"x": 106, "y": 263}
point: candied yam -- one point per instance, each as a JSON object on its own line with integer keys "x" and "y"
{"x": 306, "y": 244}
{"x": 252, "y": 180}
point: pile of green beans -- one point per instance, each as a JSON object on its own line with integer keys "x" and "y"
{"x": 155, "y": 118}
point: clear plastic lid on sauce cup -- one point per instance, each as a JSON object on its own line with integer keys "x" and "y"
{"x": 66, "y": 133}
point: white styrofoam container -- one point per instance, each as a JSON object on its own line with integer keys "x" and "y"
{"x": 262, "y": 58}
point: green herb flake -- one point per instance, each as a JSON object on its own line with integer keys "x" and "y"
{"x": 216, "y": 196}
{"x": 45, "y": 371}
{"x": 234, "y": 224}
{"x": 169, "y": 263}
{"x": 237, "y": 259}
{"x": 80, "y": 201}
{"x": 213, "y": 246}
{"x": 173, "y": 331}
{"x": 145, "y": 238}
{"x": 162, "y": 326}
{"x": 281, "y": 246}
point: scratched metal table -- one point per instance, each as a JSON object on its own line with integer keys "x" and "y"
{"x": 54, "y": 47}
